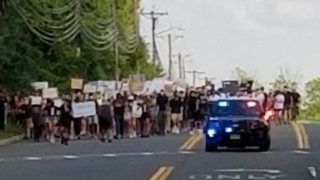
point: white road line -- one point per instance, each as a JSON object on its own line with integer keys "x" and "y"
{"x": 33, "y": 158}
{"x": 275, "y": 171}
{"x": 301, "y": 152}
{"x": 185, "y": 152}
{"x": 70, "y": 157}
{"x": 312, "y": 172}
{"x": 110, "y": 155}
{"x": 147, "y": 153}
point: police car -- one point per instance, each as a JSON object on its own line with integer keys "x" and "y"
{"x": 236, "y": 122}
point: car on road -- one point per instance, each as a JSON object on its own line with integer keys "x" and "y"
{"x": 236, "y": 122}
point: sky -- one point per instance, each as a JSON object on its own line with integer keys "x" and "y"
{"x": 258, "y": 36}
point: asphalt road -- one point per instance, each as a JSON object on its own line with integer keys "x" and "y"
{"x": 294, "y": 155}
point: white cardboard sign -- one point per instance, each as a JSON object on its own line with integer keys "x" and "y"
{"x": 83, "y": 109}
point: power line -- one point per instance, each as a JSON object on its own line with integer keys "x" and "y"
{"x": 154, "y": 17}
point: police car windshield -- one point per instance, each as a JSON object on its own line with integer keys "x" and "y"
{"x": 235, "y": 108}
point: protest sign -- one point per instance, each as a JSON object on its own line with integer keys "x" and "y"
{"x": 83, "y": 109}
{"x": 50, "y": 93}
{"x": 76, "y": 83}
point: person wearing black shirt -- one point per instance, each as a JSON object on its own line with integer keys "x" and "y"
{"x": 24, "y": 112}
{"x": 192, "y": 107}
{"x": 176, "y": 109}
{"x": 145, "y": 126}
{"x": 118, "y": 111}
{"x": 162, "y": 101}
{"x": 287, "y": 104}
{"x": 296, "y": 98}
{"x": 36, "y": 114}
{"x": 105, "y": 121}
{"x": 65, "y": 121}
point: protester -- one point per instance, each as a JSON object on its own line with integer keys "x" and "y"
{"x": 118, "y": 108}
{"x": 162, "y": 101}
{"x": 65, "y": 121}
{"x": 176, "y": 110}
{"x": 50, "y": 113}
{"x": 105, "y": 121}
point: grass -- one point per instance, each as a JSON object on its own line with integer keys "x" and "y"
{"x": 10, "y": 131}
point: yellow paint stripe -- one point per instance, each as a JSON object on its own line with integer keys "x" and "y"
{"x": 190, "y": 139}
{"x": 305, "y": 136}
{"x": 298, "y": 134}
{"x": 194, "y": 142}
{"x": 158, "y": 173}
{"x": 166, "y": 174}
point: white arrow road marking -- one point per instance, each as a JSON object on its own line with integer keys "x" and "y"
{"x": 205, "y": 176}
{"x": 249, "y": 170}
{"x": 312, "y": 172}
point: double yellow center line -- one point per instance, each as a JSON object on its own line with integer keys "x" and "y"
{"x": 301, "y": 134}
{"x": 162, "y": 174}
{"x": 191, "y": 142}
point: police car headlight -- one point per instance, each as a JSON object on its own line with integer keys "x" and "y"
{"x": 211, "y": 132}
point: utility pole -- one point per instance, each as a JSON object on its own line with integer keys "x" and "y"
{"x": 181, "y": 65}
{"x": 154, "y": 17}
{"x": 116, "y": 50}
{"x": 195, "y": 73}
{"x": 170, "y": 40}
{"x": 170, "y": 57}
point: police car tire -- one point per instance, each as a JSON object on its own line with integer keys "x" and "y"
{"x": 211, "y": 148}
{"x": 265, "y": 146}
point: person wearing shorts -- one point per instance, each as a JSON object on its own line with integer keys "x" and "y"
{"x": 176, "y": 110}
{"x": 278, "y": 106}
{"x": 93, "y": 121}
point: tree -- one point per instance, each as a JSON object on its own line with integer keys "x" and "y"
{"x": 87, "y": 52}
{"x": 286, "y": 78}
{"x": 242, "y": 75}
{"x": 311, "y": 104}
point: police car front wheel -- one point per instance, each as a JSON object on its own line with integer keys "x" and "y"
{"x": 265, "y": 146}
{"x": 211, "y": 148}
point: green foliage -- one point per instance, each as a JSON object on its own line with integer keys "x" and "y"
{"x": 286, "y": 78}
{"x": 242, "y": 75}
{"x": 312, "y": 102}
{"x": 25, "y": 59}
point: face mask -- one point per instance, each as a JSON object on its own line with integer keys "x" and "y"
{"x": 162, "y": 93}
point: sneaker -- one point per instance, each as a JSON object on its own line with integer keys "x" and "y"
{"x": 191, "y": 132}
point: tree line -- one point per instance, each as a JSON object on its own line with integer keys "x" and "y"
{"x": 55, "y": 40}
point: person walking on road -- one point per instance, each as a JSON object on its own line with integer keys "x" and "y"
{"x": 106, "y": 121}
{"x": 119, "y": 110}
{"x": 176, "y": 109}
{"x": 162, "y": 101}
{"x": 65, "y": 121}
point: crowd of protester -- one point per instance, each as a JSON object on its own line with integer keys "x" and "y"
{"x": 131, "y": 115}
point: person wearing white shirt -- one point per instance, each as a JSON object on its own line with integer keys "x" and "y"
{"x": 278, "y": 106}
